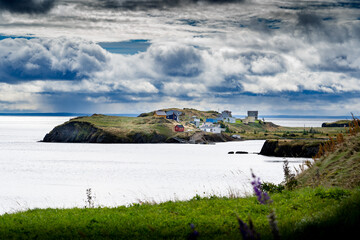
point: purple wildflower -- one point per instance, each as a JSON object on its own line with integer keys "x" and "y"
{"x": 273, "y": 225}
{"x": 194, "y": 234}
{"x": 262, "y": 196}
{"x": 247, "y": 232}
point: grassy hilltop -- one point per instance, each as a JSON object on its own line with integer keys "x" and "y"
{"x": 127, "y": 126}
{"x": 111, "y": 129}
{"x": 188, "y": 113}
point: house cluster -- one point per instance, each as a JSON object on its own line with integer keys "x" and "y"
{"x": 174, "y": 115}
{"x": 212, "y": 125}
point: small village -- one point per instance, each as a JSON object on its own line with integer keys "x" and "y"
{"x": 211, "y": 125}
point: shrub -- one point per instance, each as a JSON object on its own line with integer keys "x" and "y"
{"x": 290, "y": 180}
{"x": 332, "y": 193}
{"x": 272, "y": 188}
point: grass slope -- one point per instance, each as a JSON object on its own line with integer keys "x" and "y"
{"x": 188, "y": 113}
{"x": 298, "y": 213}
{"x": 338, "y": 168}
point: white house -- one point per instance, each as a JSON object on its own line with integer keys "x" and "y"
{"x": 212, "y": 128}
{"x": 226, "y": 116}
{"x": 230, "y": 119}
{"x": 196, "y": 122}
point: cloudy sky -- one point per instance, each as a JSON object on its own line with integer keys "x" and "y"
{"x": 289, "y": 57}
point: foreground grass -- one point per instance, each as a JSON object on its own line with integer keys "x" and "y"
{"x": 301, "y": 214}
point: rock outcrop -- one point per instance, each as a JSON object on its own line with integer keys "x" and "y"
{"x": 336, "y": 124}
{"x": 203, "y": 137}
{"x": 290, "y": 148}
{"x": 83, "y": 132}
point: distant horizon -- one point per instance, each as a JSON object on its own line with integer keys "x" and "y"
{"x": 67, "y": 114}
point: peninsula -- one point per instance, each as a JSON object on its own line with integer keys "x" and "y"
{"x": 163, "y": 126}
{"x": 188, "y": 125}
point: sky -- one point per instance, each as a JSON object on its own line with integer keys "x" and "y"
{"x": 279, "y": 57}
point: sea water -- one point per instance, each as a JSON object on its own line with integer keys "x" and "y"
{"x": 302, "y": 122}
{"x": 34, "y": 174}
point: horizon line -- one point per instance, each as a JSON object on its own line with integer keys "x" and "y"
{"x": 68, "y": 114}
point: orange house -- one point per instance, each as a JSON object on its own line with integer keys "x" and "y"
{"x": 160, "y": 114}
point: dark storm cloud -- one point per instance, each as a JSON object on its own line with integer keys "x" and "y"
{"x": 26, "y": 60}
{"x": 183, "y": 61}
{"x": 306, "y": 20}
{"x": 320, "y": 27}
{"x": 313, "y": 5}
{"x": 154, "y": 4}
{"x": 27, "y": 6}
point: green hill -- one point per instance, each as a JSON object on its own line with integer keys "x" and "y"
{"x": 339, "y": 166}
{"x": 111, "y": 129}
{"x": 146, "y": 128}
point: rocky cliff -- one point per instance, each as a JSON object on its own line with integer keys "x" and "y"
{"x": 203, "y": 137}
{"x": 340, "y": 123}
{"x": 290, "y": 148}
{"x": 85, "y": 132}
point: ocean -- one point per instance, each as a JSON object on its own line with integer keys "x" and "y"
{"x": 41, "y": 175}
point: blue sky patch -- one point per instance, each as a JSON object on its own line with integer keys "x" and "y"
{"x": 328, "y": 19}
{"x": 270, "y": 23}
{"x": 191, "y": 22}
{"x": 130, "y": 47}
{"x": 2, "y": 37}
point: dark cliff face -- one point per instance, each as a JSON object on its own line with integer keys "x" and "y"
{"x": 289, "y": 149}
{"x": 335, "y": 125}
{"x": 80, "y": 132}
{"x": 143, "y": 138}
{"x": 203, "y": 137}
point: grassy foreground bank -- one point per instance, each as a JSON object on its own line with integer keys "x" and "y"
{"x": 301, "y": 214}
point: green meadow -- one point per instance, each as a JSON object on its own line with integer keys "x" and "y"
{"x": 306, "y": 213}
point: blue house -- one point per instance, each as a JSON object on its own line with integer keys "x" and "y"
{"x": 211, "y": 120}
{"x": 175, "y": 115}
